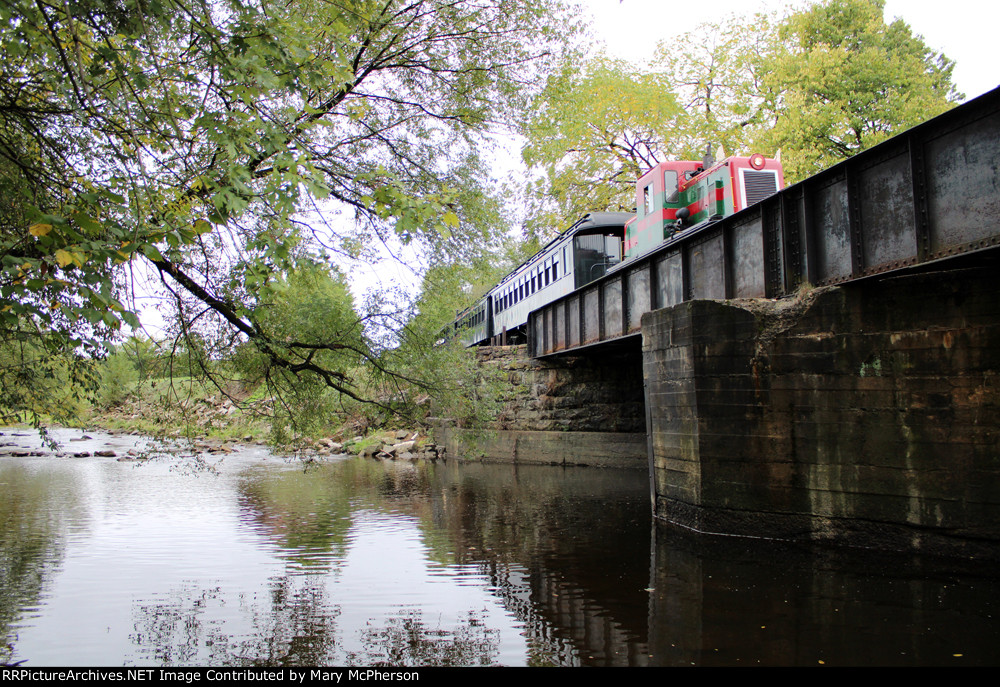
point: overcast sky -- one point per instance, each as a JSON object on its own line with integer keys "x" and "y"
{"x": 964, "y": 30}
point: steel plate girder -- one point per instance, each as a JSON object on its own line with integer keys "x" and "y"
{"x": 928, "y": 194}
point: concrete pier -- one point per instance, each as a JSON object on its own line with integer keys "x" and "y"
{"x": 867, "y": 414}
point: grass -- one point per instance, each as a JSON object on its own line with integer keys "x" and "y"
{"x": 184, "y": 406}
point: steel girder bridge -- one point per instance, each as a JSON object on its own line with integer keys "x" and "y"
{"x": 929, "y": 194}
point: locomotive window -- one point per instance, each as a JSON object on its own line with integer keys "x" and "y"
{"x": 670, "y": 185}
{"x": 647, "y": 200}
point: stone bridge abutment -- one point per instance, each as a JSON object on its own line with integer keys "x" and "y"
{"x": 584, "y": 409}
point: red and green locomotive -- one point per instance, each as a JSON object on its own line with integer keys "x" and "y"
{"x": 675, "y": 196}
{"x": 670, "y": 198}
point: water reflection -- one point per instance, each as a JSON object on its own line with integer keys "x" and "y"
{"x": 289, "y": 623}
{"x": 367, "y": 563}
{"x": 743, "y": 602}
{"x": 32, "y": 517}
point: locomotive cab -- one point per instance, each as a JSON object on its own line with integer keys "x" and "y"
{"x": 656, "y": 195}
{"x": 676, "y": 196}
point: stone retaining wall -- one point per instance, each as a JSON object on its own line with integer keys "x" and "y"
{"x": 579, "y": 410}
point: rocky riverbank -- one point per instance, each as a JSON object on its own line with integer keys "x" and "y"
{"x": 398, "y": 445}
{"x": 219, "y": 422}
{"x": 125, "y": 446}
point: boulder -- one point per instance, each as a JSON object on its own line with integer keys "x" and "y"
{"x": 402, "y": 447}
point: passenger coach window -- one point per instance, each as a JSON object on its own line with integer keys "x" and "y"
{"x": 647, "y": 199}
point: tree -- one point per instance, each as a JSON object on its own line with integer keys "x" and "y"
{"x": 437, "y": 366}
{"x": 820, "y": 85}
{"x": 188, "y": 135}
{"x": 591, "y": 134}
{"x": 719, "y": 74}
{"x": 39, "y": 381}
{"x": 312, "y": 306}
{"x": 598, "y": 127}
{"x": 847, "y": 81}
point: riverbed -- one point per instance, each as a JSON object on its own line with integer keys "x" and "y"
{"x": 184, "y": 558}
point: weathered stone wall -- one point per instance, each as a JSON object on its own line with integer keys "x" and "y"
{"x": 579, "y": 410}
{"x": 574, "y": 394}
{"x": 868, "y": 414}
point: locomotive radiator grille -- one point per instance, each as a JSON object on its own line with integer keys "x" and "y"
{"x": 758, "y": 185}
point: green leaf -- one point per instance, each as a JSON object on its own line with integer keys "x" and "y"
{"x": 152, "y": 252}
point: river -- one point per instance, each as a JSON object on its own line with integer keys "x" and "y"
{"x": 248, "y": 559}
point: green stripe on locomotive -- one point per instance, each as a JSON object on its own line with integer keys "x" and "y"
{"x": 710, "y": 197}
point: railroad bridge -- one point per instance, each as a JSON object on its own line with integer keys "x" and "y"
{"x": 824, "y": 365}
{"x": 930, "y": 194}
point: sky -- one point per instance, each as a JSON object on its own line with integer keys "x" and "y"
{"x": 964, "y": 30}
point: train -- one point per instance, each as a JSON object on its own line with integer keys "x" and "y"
{"x": 670, "y": 199}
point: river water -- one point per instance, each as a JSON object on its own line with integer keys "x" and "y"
{"x": 254, "y": 560}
